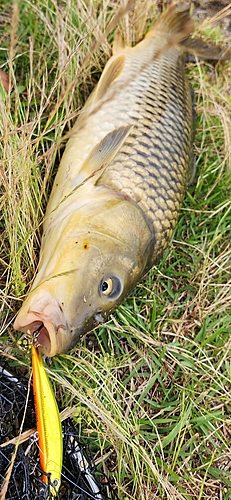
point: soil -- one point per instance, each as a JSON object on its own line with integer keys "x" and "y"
{"x": 209, "y": 8}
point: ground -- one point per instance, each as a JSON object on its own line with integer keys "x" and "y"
{"x": 152, "y": 386}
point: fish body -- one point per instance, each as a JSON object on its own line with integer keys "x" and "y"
{"x": 119, "y": 187}
{"x": 48, "y": 423}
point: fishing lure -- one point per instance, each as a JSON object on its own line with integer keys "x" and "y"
{"x": 48, "y": 424}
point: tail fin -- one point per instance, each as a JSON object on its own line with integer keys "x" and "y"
{"x": 199, "y": 48}
{"x": 175, "y": 22}
{"x": 175, "y": 26}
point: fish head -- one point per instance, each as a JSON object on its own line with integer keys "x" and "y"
{"x": 86, "y": 278}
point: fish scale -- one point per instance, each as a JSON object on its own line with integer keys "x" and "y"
{"x": 154, "y": 174}
{"x": 119, "y": 187}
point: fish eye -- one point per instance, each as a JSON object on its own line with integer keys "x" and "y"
{"x": 106, "y": 286}
{"x": 111, "y": 287}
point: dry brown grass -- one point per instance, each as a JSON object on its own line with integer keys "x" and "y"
{"x": 157, "y": 390}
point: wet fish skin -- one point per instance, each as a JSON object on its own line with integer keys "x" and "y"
{"x": 154, "y": 165}
{"x": 119, "y": 187}
{"x": 57, "y": 296}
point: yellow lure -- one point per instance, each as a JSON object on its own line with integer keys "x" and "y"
{"x": 48, "y": 423}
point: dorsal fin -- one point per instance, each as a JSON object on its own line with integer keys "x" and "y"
{"x": 104, "y": 152}
{"x": 111, "y": 72}
{"x": 118, "y": 44}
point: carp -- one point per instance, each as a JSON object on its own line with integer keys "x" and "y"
{"x": 119, "y": 187}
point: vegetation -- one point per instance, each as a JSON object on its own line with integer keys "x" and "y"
{"x": 152, "y": 386}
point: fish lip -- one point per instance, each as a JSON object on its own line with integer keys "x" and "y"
{"x": 45, "y": 321}
{"x": 45, "y": 335}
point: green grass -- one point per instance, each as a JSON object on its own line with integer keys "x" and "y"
{"x": 153, "y": 385}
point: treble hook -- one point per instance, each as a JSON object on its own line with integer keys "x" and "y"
{"x": 35, "y": 335}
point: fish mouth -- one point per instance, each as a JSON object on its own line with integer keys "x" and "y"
{"x": 44, "y": 337}
{"x": 47, "y": 327}
{"x": 49, "y": 338}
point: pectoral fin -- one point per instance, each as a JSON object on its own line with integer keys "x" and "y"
{"x": 104, "y": 152}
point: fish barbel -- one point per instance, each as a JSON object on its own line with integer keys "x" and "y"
{"x": 119, "y": 187}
